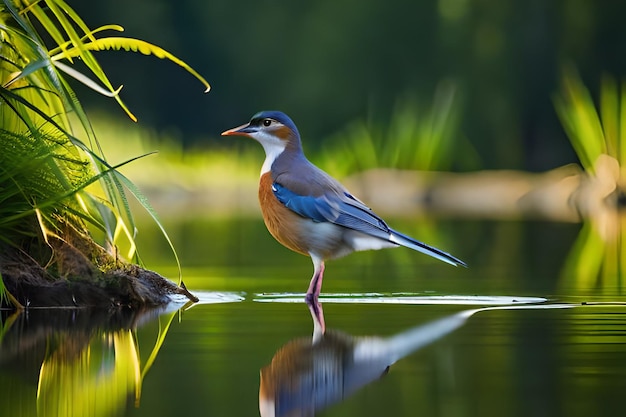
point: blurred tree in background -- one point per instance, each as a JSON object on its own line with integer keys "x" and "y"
{"x": 329, "y": 63}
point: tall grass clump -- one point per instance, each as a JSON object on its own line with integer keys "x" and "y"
{"x": 597, "y": 132}
{"x": 415, "y": 138}
{"x": 55, "y": 182}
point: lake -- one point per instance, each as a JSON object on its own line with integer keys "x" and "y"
{"x": 536, "y": 326}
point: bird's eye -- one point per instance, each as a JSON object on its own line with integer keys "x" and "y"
{"x": 267, "y": 122}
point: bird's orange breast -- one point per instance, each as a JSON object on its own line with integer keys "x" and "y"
{"x": 281, "y": 222}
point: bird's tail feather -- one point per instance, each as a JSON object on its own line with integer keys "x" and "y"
{"x": 409, "y": 242}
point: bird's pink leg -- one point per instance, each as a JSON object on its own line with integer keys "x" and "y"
{"x": 315, "y": 287}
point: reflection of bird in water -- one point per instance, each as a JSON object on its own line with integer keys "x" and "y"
{"x": 310, "y": 212}
{"x": 306, "y": 376}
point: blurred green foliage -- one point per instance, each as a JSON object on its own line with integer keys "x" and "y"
{"x": 416, "y": 138}
{"x": 329, "y": 64}
{"x": 594, "y": 130}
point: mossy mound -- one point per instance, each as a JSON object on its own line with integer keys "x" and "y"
{"x": 73, "y": 271}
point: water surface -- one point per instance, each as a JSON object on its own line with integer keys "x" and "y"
{"x": 553, "y": 344}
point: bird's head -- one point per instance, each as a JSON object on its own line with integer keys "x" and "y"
{"x": 270, "y": 128}
{"x": 276, "y": 132}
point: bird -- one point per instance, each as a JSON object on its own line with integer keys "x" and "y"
{"x": 310, "y": 212}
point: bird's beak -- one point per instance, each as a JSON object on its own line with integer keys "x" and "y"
{"x": 243, "y": 130}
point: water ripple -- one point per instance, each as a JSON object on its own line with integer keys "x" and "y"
{"x": 401, "y": 298}
{"x": 216, "y": 297}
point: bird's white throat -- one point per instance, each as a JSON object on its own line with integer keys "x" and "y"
{"x": 273, "y": 147}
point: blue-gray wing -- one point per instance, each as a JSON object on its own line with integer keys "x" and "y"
{"x": 341, "y": 209}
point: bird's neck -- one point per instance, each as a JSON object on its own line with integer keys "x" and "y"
{"x": 281, "y": 156}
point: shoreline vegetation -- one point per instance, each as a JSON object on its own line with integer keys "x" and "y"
{"x": 56, "y": 187}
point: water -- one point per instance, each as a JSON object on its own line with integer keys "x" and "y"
{"x": 406, "y": 336}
